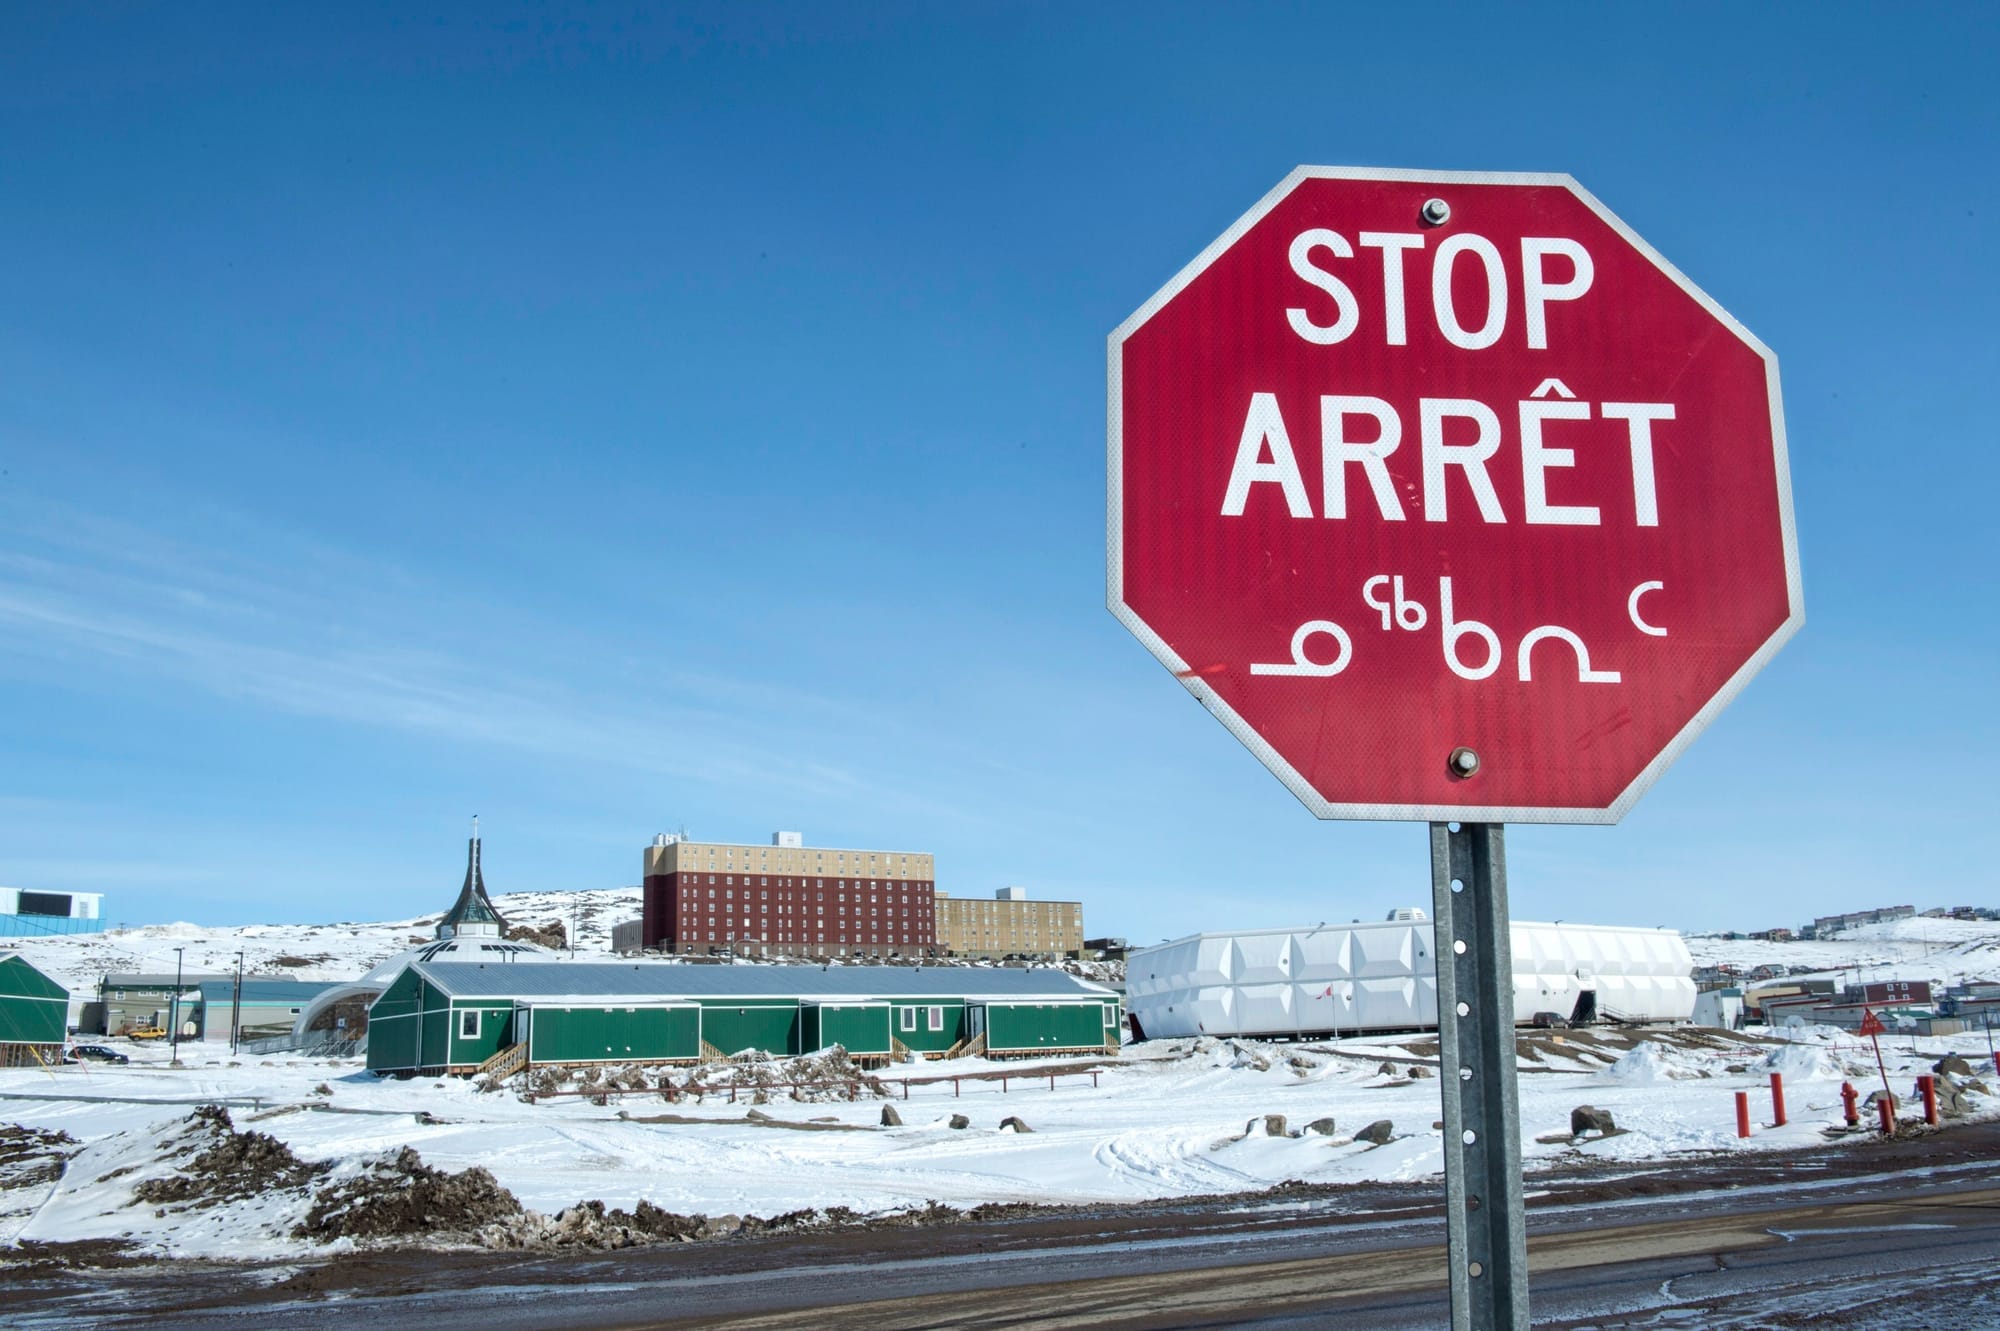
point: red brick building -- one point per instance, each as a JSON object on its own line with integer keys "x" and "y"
{"x": 704, "y": 897}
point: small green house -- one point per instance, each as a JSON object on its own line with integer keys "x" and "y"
{"x": 454, "y": 1016}
{"x": 34, "y": 1015}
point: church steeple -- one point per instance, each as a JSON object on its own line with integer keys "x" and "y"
{"x": 473, "y": 912}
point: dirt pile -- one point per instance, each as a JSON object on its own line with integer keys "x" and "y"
{"x": 552, "y": 935}
{"x": 396, "y": 1195}
{"x": 224, "y": 1165}
{"x": 810, "y": 1079}
{"x": 599, "y": 1078}
{"x": 29, "y": 1156}
{"x": 593, "y": 1225}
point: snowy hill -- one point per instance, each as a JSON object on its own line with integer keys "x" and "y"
{"x": 342, "y": 951}
{"x": 1914, "y": 949}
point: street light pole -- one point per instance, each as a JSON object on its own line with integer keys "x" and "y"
{"x": 174, "y": 1009}
{"x": 236, "y": 1007}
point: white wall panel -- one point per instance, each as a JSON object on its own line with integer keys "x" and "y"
{"x": 1382, "y": 977}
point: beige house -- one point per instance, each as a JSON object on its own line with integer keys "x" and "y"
{"x": 1008, "y": 925}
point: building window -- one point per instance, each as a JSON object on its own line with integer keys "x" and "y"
{"x": 468, "y": 1025}
{"x": 909, "y": 1019}
{"x": 937, "y": 1018}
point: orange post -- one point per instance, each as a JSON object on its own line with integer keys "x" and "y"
{"x": 1778, "y": 1099}
{"x": 1927, "y": 1084}
{"x": 1888, "y": 1112}
{"x": 1743, "y": 1113}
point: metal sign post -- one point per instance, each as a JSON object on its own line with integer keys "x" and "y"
{"x": 1486, "y": 1231}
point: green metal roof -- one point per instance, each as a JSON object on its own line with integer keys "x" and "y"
{"x": 577, "y": 979}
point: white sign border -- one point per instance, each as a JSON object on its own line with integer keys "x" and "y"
{"x": 1223, "y": 712}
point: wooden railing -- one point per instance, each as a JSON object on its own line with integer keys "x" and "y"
{"x": 505, "y": 1063}
{"x": 710, "y": 1054}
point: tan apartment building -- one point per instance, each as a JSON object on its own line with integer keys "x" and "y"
{"x": 1008, "y": 925}
{"x": 703, "y": 896}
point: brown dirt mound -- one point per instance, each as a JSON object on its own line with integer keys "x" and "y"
{"x": 227, "y": 1165}
{"x": 551, "y": 935}
{"x": 828, "y": 1076}
{"x": 592, "y": 1225}
{"x": 32, "y": 1155}
{"x": 399, "y": 1196}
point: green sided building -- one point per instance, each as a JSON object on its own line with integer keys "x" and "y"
{"x": 454, "y": 1016}
{"x": 34, "y": 1015}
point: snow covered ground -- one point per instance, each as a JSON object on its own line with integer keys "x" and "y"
{"x": 342, "y": 951}
{"x": 1918, "y": 949}
{"x": 1167, "y": 1119}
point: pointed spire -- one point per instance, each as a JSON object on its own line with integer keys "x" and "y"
{"x": 473, "y": 912}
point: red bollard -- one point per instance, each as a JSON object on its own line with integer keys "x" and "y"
{"x": 1849, "y": 1099}
{"x": 1743, "y": 1113}
{"x": 1778, "y": 1099}
{"x": 1888, "y": 1113}
{"x": 1928, "y": 1085}
{"x": 1996, "y": 1062}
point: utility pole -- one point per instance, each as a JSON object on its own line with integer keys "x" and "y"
{"x": 174, "y": 1010}
{"x": 236, "y": 1007}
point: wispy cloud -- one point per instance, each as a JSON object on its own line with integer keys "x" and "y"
{"x": 83, "y": 589}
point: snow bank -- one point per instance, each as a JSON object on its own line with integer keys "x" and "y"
{"x": 1805, "y": 1062}
{"x": 1649, "y": 1064}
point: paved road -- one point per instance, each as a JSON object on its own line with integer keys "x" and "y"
{"x": 1900, "y": 1237}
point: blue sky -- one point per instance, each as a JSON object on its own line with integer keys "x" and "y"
{"x": 607, "y": 423}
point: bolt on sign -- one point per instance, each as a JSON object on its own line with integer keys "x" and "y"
{"x": 1449, "y": 496}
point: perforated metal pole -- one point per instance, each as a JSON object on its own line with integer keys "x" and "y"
{"x": 1485, "y": 1229}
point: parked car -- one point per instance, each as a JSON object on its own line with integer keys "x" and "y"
{"x": 95, "y": 1053}
{"x": 147, "y": 1033}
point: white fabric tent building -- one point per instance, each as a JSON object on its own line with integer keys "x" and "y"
{"x": 1354, "y": 978}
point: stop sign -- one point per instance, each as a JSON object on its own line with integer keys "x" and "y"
{"x": 1449, "y": 496}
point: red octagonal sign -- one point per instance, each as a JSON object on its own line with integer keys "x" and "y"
{"x": 1449, "y": 496}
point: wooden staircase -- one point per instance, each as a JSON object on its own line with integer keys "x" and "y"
{"x": 505, "y": 1063}
{"x": 710, "y": 1054}
{"x": 972, "y": 1048}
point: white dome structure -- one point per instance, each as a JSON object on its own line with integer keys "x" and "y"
{"x": 1332, "y": 980}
